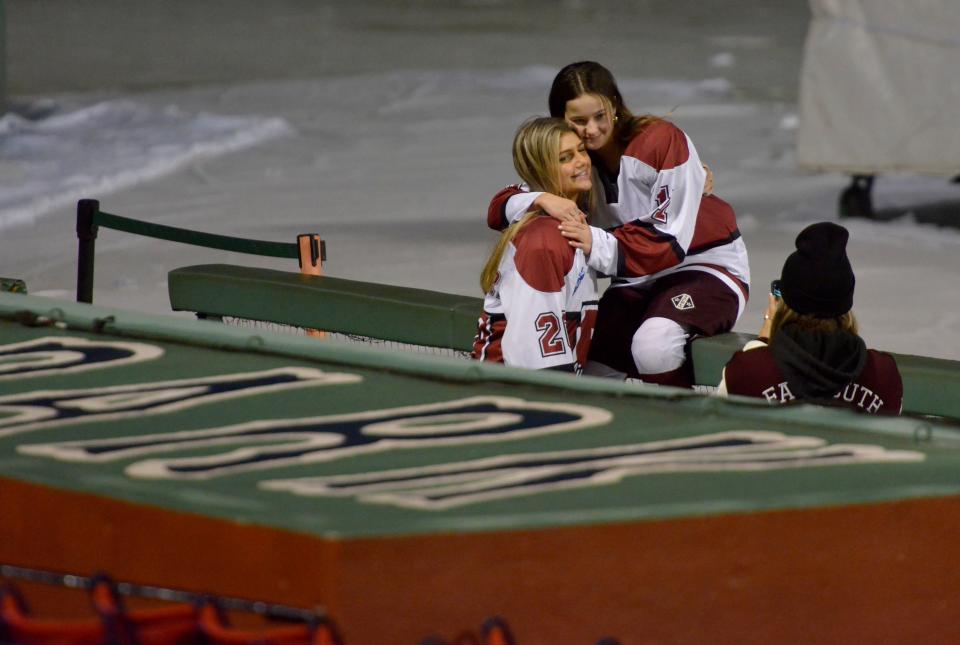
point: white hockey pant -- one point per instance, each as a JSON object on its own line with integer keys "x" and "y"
{"x": 658, "y": 346}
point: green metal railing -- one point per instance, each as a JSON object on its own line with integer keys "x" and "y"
{"x": 90, "y": 218}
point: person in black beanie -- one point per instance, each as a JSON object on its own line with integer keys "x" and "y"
{"x": 809, "y": 348}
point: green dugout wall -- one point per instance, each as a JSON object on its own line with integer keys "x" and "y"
{"x": 437, "y": 319}
{"x": 414, "y": 494}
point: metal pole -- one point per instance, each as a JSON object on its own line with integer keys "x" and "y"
{"x": 3, "y": 61}
{"x": 87, "y": 210}
{"x": 313, "y": 252}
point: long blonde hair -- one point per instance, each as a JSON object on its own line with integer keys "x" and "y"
{"x": 536, "y": 154}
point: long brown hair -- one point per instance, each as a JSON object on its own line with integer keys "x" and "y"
{"x": 588, "y": 77}
{"x": 784, "y": 316}
{"x": 536, "y": 157}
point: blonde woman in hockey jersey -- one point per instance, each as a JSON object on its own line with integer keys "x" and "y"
{"x": 541, "y": 297}
{"x": 677, "y": 263}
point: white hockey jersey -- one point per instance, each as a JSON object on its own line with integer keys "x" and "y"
{"x": 656, "y": 216}
{"x": 541, "y": 311}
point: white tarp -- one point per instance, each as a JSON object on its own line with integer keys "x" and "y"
{"x": 880, "y": 87}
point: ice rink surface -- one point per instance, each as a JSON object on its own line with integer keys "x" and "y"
{"x": 386, "y": 128}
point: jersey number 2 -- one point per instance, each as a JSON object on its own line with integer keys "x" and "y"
{"x": 663, "y": 200}
{"x": 551, "y": 334}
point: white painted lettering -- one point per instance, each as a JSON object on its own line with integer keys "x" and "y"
{"x": 67, "y": 355}
{"x": 274, "y": 443}
{"x": 44, "y": 409}
{"x": 442, "y": 486}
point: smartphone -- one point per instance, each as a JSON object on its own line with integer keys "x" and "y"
{"x": 775, "y": 289}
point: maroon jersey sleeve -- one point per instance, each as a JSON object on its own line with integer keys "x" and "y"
{"x": 643, "y": 250}
{"x": 716, "y": 225}
{"x": 496, "y": 212}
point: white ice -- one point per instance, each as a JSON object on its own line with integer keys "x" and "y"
{"x": 394, "y": 165}
{"x": 99, "y": 149}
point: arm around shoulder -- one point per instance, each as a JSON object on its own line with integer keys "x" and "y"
{"x": 509, "y": 205}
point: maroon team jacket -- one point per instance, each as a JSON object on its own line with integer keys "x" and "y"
{"x": 878, "y": 389}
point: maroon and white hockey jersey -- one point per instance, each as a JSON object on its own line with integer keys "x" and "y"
{"x": 541, "y": 311}
{"x": 656, "y": 216}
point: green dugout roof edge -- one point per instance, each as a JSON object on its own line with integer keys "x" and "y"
{"x": 90, "y": 318}
{"x": 611, "y": 428}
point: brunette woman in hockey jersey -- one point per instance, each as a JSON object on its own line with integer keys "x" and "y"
{"x": 677, "y": 261}
{"x": 808, "y": 348}
{"x": 541, "y": 298}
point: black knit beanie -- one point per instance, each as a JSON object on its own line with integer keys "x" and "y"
{"x": 817, "y": 279}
